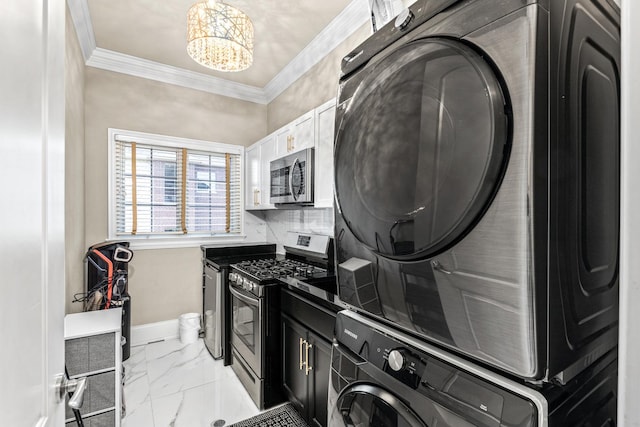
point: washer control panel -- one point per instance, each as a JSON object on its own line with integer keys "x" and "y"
{"x": 396, "y": 360}
{"x": 403, "y": 365}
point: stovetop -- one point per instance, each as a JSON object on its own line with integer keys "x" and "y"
{"x": 265, "y": 270}
{"x": 307, "y": 262}
{"x": 254, "y": 276}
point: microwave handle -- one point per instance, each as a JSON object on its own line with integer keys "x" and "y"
{"x": 293, "y": 168}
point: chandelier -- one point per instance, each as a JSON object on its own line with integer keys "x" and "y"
{"x": 219, "y": 36}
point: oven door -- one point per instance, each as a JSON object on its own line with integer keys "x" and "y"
{"x": 247, "y": 326}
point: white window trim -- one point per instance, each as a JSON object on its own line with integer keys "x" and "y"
{"x": 159, "y": 241}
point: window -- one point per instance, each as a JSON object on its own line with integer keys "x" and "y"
{"x": 170, "y": 182}
{"x": 173, "y": 187}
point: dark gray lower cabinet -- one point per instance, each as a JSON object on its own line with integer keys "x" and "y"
{"x": 306, "y": 366}
{"x": 320, "y": 358}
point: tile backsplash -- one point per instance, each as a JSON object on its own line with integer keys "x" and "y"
{"x": 278, "y": 221}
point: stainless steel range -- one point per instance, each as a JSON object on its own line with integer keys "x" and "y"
{"x": 255, "y": 300}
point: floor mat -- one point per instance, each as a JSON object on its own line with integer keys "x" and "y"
{"x": 282, "y": 416}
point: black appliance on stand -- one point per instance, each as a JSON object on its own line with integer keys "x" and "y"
{"x": 216, "y": 299}
{"x": 255, "y": 305}
{"x": 107, "y": 284}
{"x": 477, "y": 180}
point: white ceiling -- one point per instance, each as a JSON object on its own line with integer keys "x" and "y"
{"x": 157, "y": 30}
{"x": 147, "y": 38}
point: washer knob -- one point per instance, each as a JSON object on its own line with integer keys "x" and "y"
{"x": 403, "y": 19}
{"x": 396, "y": 360}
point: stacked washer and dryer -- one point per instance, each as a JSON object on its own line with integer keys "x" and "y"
{"x": 477, "y": 164}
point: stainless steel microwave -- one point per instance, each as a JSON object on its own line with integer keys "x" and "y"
{"x": 292, "y": 178}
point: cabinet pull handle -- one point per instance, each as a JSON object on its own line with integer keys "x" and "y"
{"x": 300, "y": 353}
{"x": 257, "y": 197}
{"x": 308, "y": 368}
{"x": 293, "y": 138}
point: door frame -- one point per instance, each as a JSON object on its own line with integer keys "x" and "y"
{"x": 629, "y": 350}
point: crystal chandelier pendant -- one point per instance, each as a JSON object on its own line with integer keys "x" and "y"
{"x": 219, "y": 36}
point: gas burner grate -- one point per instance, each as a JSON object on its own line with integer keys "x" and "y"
{"x": 268, "y": 269}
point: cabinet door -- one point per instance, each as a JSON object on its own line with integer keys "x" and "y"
{"x": 252, "y": 182}
{"x": 267, "y": 153}
{"x": 284, "y": 137}
{"x": 320, "y": 362}
{"x": 294, "y": 379}
{"x": 297, "y": 135}
{"x": 303, "y": 132}
{"x": 325, "y": 125}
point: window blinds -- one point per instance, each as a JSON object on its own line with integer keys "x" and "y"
{"x": 167, "y": 190}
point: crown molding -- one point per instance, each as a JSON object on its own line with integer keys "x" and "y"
{"x": 79, "y": 10}
{"x": 350, "y": 19}
{"x": 345, "y": 24}
{"x": 138, "y": 67}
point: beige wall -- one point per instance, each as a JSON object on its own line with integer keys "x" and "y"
{"x": 163, "y": 283}
{"x": 74, "y": 168}
{"x": 315, "y": 87}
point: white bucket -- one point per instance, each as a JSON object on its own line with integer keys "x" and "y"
{"x": 189, "y": 327}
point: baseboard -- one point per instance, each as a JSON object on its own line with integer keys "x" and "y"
{"x": 158, "y": 331}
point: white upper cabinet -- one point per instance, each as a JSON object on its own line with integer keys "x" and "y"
{"x": 296, "y": 135}
{"x": 257, "y": 181}
{"x": 252, "y": 177}
{"x": 325, "y": 125}
{"x": 268, "y": 152}
{"x": 313, "y": 129}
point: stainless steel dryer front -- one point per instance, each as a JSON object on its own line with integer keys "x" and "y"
{"x": 477, "y": 180}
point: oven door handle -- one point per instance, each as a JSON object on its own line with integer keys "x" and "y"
{"x": 244, "y": 298}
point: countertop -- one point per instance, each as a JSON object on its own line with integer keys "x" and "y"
{"x": 78, "y": 325}
{"x": 223, "y": 255}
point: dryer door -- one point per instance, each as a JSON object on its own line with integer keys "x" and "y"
{"x": 421, "y": 148}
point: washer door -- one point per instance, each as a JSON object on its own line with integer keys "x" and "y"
{"x": 421, "y": 148}
{"x": 365, "y": 405}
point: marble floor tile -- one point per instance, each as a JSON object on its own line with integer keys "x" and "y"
{"x": 136, "y": 380}
{"x": 140, "y": 415}
{"x": 179, "y": 367}
{"x": 171, "y": 384}
{"x": 200, "y": 406}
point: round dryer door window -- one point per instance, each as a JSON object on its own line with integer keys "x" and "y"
{"x": 421, "y": 148}
{"x": 365, "y": 405}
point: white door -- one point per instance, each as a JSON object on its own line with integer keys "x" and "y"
{"x": 32, "y": 210}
